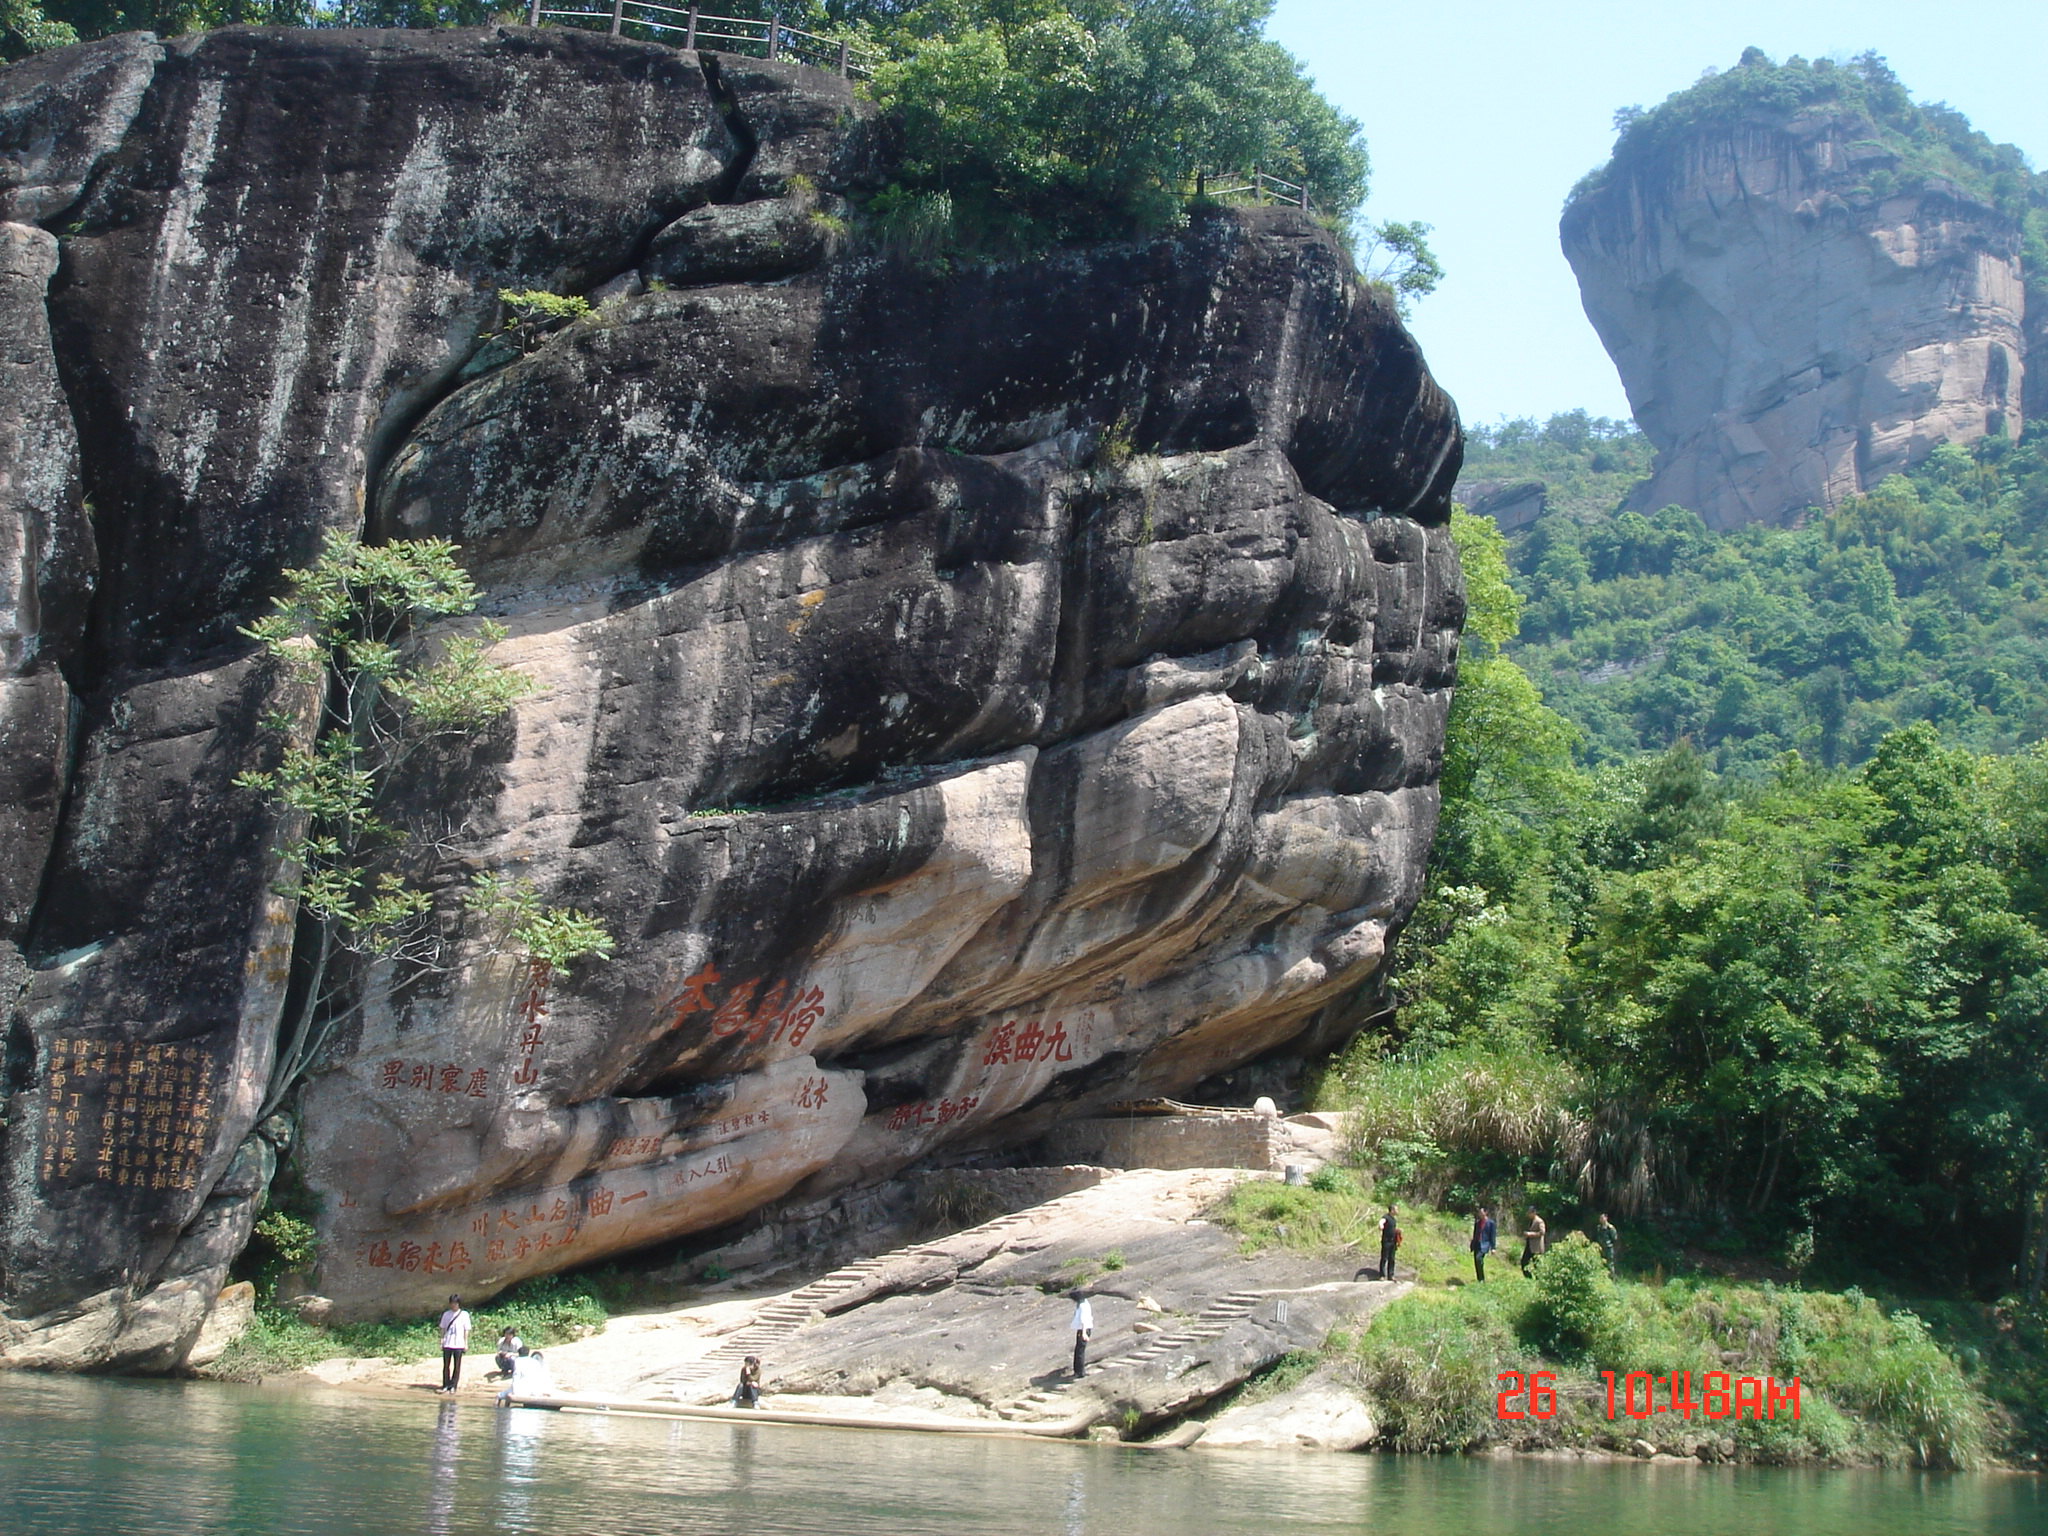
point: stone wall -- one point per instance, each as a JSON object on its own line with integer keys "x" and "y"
{"x": 1169, "y": 1141}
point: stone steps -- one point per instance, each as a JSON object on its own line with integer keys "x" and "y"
{"x": 1211, "y": 1322}
{"x": 713, "y": 1372}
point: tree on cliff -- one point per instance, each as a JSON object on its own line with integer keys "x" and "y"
{"x": 346, "y": 630}
{"x": 1092, "y": 117}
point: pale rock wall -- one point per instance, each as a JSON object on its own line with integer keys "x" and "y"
{"x": 1786, "y": 336}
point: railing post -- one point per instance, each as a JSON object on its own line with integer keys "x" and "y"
{"x": 774, "y": 26}
{"x": 618, "y": 16}
{"x": 533, "y": 13}
{"x": 845, "y": 57}
{"x": 690, "y": 33}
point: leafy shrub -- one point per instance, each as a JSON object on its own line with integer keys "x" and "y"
{"x": 1483, "y": 1110}
{"x": 1332, "y": 1180}
{"x": 534, "y": 314}
{"x": 280, "y": 1244}
{"x": 1577, "y": 1308}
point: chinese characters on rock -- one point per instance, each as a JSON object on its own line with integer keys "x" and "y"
{"x": 134, "y": 1116}
{"x": 1017, "y": 1044}
{"x": 925, "y": 1113}
{"x": 782, "y": 1013}
{"x": 531, "y": 1016}
{"x": 426, "y": 1077}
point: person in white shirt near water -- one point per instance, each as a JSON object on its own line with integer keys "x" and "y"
{"x": 529, "y": 1378}
{"x": 454, "y": 1340}
{"x": 1084, "y": 1327}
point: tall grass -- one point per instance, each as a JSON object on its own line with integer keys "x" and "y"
{"x": 1472, "y": 1111}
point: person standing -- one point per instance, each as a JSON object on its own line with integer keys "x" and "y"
{"x": 1390, "y": 1243}
{"x": 1483, "y": 1235}
{"x": 1534, "y": 1241}
{"x": 1084, "y": 1329}
{"x": 1607, "y": 1238}
{"x": 455, "y": 1324}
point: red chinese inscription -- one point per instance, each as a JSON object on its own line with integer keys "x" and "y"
{"x": 925, "y": 1113}
{"x": 469, "y": 1082}
{"x": 1019, "y": 1043}
{"x": 782, "y": 1012}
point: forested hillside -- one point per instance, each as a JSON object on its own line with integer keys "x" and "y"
{"x": 1798, "y": 1011}
{"x": 1922, "y": 601}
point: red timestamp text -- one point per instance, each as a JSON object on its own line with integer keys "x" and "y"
{"x": 1718, "y": 1395}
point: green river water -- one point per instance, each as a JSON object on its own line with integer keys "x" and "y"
{"x": 143, "y": 1457}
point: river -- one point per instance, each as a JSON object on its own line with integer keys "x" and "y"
{"x": 198, "y": 1459}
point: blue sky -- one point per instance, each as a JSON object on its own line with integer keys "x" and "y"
{"x": 1481, "y": 114}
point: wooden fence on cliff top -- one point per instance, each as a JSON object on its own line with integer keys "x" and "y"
{"x": 769, "y": 39}
{"x": 773, "y": 40}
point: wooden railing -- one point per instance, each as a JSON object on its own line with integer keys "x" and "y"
{"x": 1257, "y": 187}
{"x": 692, "y": 27}
{"x": 696, "y": 28}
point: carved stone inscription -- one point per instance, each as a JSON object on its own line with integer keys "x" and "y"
{"x": 132, "y": 1115}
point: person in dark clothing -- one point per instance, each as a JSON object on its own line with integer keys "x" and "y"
{"x": 1084, "y": 1329}
{"x": 1390, "y": 1243}
{"x": 1607, "y": 1238}
{"x": 748, "y": 1393}
{"x": 455, "y": 1324}
{"x": 1482, "y": 1244}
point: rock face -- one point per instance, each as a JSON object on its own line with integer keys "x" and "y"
{"x": 967, "y": 696}
{"x": 1787, "y": 333}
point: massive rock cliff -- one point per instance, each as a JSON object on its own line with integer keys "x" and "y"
{"x": 968, "y": 695}
{"x": 1793, "y": 318}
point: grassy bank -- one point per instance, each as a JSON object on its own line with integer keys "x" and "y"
{"x": 550, "y": 1310}
{"x": 1876, "y": 1384}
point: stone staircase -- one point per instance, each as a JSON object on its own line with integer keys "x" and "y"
{"x": 1212, "y": 1320}
{"x": 712, "y": 1376}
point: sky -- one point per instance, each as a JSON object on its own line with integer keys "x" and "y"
{"x": 1481, "y": 114}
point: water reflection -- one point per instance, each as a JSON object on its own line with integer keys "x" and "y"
{"x": 163, "y": 1459}
{"x": 446, "y": 1460}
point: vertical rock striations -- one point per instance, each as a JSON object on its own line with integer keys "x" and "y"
{"x": 965, "y": 695}
{"x": 1794, "y": 312}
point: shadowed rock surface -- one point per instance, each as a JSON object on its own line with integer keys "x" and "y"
{"x": 968, "y": 695}
{"x": 1788, "y": 335}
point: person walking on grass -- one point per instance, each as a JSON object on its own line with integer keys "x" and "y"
{"x": 1535, "y": 1241}
{"x": 1483, "y": 1234}
{"x": 455, "y": 1324}
{"x": 1084, "y": 1329}
{"x": 1607, "y": 1238}
{"x": 1390, "y": 1243}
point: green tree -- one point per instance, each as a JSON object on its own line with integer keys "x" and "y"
{"x": 351, "y": 629}
{"x": 1033, "y": 119}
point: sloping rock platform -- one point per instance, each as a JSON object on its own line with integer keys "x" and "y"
{"x": 973, "y": 1327}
